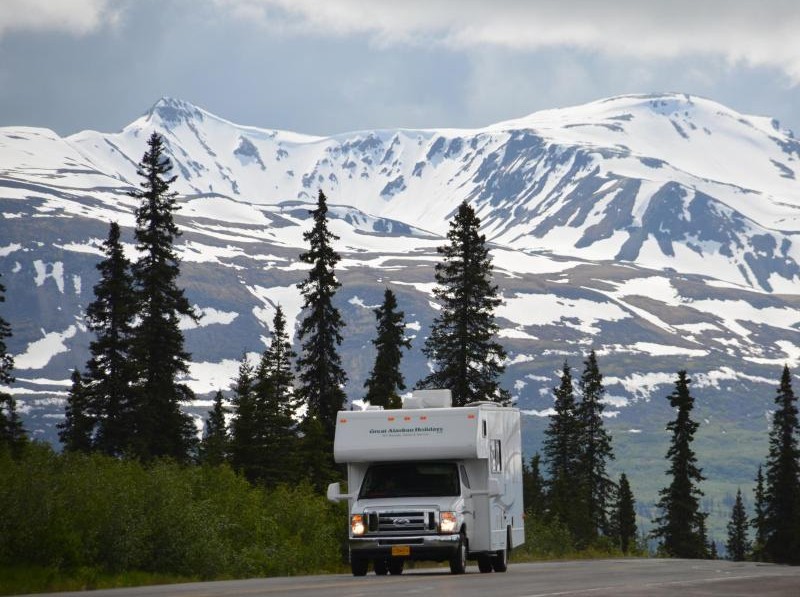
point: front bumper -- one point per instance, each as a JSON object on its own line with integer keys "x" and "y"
{"x": 421, "y": 547}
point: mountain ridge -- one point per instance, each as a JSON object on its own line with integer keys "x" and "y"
{"x": 602, "y": 180}
{"x": 601, "y": 246}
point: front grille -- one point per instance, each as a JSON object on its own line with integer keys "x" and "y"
{"x": 405, "y": 522}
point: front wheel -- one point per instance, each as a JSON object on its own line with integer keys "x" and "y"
{"x": 458, "y": 563}
{"x": 396, "y": 566}
{"x": 381, "y": 568}
{"x": 500, "y": 561}
{"x": 359, "y": 566}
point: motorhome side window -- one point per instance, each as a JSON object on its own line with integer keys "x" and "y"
{"x": 495, "y": 456}
{"x": 410, "y": 479}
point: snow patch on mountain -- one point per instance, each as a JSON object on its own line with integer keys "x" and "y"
{"x": 49, "y": 270}
{"x": 542, "y": 309}
{"x": 39, "y": 353}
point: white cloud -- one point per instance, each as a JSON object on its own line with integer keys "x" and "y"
{"x": 77, "y": 17}
{"x": 741, "y": 31}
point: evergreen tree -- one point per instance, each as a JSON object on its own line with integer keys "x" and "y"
{"x": 533, "y": 485}
{"x": 275, "y": 407}
{"x": 110, "y": 372}
{"x": 77, "y": 429}
{"x": 315, "y": 451}
{"x": 712, "y": 550}
{"x": 562, "y": 437}
{"x": 625, "y": 516}
{"x": 595, "y": 448}
{"x": 466, "y": 358}
{"x": 681, "y": 527}
{"x": 759, "y": 522}
{"x": 6, "y": 360}
{"x": 562, "y": 449}
{"x": 385, "y": 381}
{"x": 214, "y": 446}
{"x": 321, "y": 375}
{"x": 277, "y": 364}
{"x": 244, "y": 426}
{"x": 161, "y": 428}
{"x": 709, "y": 546}
{"x": 738, "y": 547}
{"x": 12, "y": 432}
{"x": 782, "y": 518}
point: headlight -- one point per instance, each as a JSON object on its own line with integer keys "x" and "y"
{"x": 447, "y": 522}
{"x": 357, "y": 526}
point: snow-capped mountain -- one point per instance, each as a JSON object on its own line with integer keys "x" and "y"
{"x": 662, "y": 181}
{"x": 660, "y": 230}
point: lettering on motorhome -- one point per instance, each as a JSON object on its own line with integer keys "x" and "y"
{"x": 407, "y": 430}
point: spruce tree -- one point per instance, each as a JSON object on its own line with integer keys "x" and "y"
{"x": 276, "y": 366}
{"x": 315, "y": 455}
{"x": 322, "y": 377}
{"x": 13, "y": 434}
{"x": 595, "y": 448}
{"x": 562, "y": 437}
{"x": 275, "y": 407}
{"x": 681, "y": 527}
{"x": 625, "y": 516}
{"x": 77, "y": 430}
{"x": 110, "y": 371}
{"x": 12, "y": 431}
{"x": 244, "y": 426}
{"x": 759, "y": 522}
{"x": 712, "y": 550}
{"x": 782, "y": 520}
{"x": 385, "y": 380}
{"x": 533, "y": 488}
{"x": 566, "y": 494}
{"x": 214, "y": 446}
{"x": 6, "y": 360}
{"x": 466, "y": 357}
{"x": 161, "y": 428}
{"x": 738, "y": 547}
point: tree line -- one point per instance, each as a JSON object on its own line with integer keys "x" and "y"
{"x": 280, "y": 424}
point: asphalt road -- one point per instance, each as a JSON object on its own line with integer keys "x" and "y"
{"x": 594, "y": 578}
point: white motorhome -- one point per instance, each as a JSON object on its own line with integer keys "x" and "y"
{"x": 431, "y": 482}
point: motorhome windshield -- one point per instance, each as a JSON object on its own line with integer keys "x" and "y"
{"x": 411, "y": 479}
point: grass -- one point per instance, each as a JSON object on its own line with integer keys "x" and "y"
{"x": 36, "y": 579}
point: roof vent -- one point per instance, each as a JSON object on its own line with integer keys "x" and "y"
{"x": 428, "y": 399}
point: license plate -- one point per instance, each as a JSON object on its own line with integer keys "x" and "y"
{"x": 401, "y": 550}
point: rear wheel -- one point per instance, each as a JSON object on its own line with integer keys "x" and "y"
{"x": 485, "y": 563}
{"x": 359, "y": 566}
{"x": 396, "y": 566}
{"x": 381, "y": 569}
{"x": 458, "y": 563}
{"x": 500, "y": 561}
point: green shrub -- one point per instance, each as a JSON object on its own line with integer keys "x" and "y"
{"x": 72, "y": 512}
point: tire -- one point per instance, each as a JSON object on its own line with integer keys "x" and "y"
{"x": 381, "y": 568}
{"x": 458, "y": 563}
{"x": 396, "y": 566}
{"x": 500, "y": 561}
{"x": 485, "y": 563}
{"x": 359, "y": 566}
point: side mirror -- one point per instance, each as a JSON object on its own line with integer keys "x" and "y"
{"x": 494, "y": 488}
{"x": 334, "y": 492}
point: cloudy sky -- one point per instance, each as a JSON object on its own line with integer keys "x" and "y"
{"x": 330, "y": 66}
